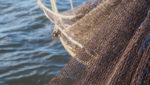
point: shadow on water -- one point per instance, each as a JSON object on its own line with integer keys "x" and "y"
{"x": 28, "y": 54}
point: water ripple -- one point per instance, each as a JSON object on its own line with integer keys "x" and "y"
{"x": 28, "y": 54}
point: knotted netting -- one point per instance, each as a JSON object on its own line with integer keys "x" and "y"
{"x": 78, "y": 25}
{"x": 64, "y": 22}
{"x": 116, "y": 49}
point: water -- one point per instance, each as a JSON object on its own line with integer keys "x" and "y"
{"x": 28, "y": 54}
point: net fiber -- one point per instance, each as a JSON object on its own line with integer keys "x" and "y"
{"x": 112, "y": 35}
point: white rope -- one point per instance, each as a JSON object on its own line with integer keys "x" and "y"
{"x": 71, "y": 4}
{"x": 53, "y": 4}
{"x": 55, "y": 13}
{"x": 54, "y": 9}
{"x": 50, "y": 11}
{"x": 70, "y": 38}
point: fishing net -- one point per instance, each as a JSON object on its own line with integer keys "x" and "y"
{"x": 76, "y": 30}
{"x": 114, "y": 39}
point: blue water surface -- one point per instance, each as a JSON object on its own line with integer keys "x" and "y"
{"x": 28, "y": 54}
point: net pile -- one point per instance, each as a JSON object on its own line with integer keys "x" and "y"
{"x": 115, "y": 36}
{"x": 76, "y": 30}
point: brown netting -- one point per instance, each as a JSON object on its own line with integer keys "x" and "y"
{"x": 85, "y": 28}
{"x": 64, "y": 21}
{"x": 112, "y": 34}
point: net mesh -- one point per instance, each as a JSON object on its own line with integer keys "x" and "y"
{"x": 112, "y": 34}
{"x": 76, "y": 30}
{"x": 64, "y": 22}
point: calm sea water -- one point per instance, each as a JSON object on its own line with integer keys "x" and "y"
{"x": 28, "y": 54}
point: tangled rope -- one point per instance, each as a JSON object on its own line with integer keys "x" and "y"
{"x": 54, "y": 13}
{"x": 60, "y": 25}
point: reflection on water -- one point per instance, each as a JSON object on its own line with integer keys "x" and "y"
{"x": 28, "y": 54}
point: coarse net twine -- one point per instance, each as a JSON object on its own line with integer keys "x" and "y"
{"x": 78, "y": 25}
{"x": 114, "y": 43}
